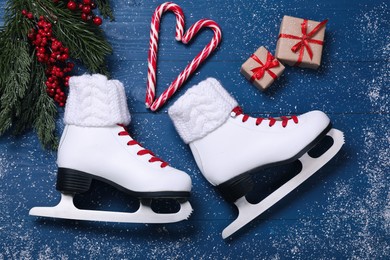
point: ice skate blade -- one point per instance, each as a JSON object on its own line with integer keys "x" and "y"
{"x": 66, "y": 210}
{"x": 247, "y": 211}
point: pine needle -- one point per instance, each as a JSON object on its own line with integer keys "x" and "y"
{"x": 24, "y": 103}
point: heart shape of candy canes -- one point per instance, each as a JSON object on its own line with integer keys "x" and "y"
{"x": 184, "y": 38}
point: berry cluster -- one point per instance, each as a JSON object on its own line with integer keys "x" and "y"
{"x": 86, "y": 7}
{"x": 53, "y": 54}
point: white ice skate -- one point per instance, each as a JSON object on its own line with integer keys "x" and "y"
{"x": 228, "y": 146}
{"x": 95, "y": 145}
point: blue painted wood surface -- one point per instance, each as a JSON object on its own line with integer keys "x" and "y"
{"x": 341, "y": 212}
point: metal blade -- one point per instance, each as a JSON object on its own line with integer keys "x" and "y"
{"x": 248, "y": 212}
{"x": 66, "y": 210}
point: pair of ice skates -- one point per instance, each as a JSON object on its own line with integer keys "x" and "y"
{"x": 228, "y": 146}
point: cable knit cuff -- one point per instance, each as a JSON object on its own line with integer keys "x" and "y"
{"x": 201, "y": 110}
{"x": 95, "y": 101}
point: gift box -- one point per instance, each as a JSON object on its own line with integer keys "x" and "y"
{"x": 262, "y": 68}
{"x": 300, "y": 42}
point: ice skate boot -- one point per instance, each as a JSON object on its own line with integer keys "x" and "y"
{"x": 228, "y": 146}
{"x": 95, "y": 145}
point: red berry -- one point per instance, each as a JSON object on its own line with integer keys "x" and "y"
{"x": 64, "y": 57}
{"x": 30, "y": 16}
{"x": 87, "y": 2}
{"x": 24, "y": 12}
{"x": 86, "y": 9}
{"x": 97, "y": 20}
{"x": 31, "y": 36}
{"x": 44, "y": 42}
{"x": 71, "y": 5}
{"x": 55, "y": 45}
{"x": 84, "y": 17}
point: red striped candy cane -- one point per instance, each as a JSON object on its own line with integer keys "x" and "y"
{"x": 186, "y": 38}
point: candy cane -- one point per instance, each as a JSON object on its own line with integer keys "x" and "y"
{"x": 186, "y": 38}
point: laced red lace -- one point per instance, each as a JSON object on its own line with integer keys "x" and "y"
{"x": 238, "y": 111}
{"x": 143, "y": 151}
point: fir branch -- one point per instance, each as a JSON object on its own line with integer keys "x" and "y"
{"x": 105, "y": 9}
{"x": 45, "y": 112}
{"x": 5, "y": 120}
{"x": 15, "y": 25}
{"x": 24, "y": 103}
{"x": 37, "y": 110}
{"x": 27, "y": 116}
{"x": 14, "y": 80}
{"x": 85, "y": 42}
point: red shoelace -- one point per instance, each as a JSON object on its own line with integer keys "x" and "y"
{"x": 238, "y": 111}
{"x": 143, "y": 151}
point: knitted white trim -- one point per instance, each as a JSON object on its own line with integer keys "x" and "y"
{"x": 201, "y": 110}
{"x": 95, "y": 101}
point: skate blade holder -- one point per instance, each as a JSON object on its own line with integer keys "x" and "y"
{"x": 248, "y": 212}
{"x": 66, "y": 209}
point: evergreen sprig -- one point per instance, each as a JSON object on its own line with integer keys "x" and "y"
{"x": 24, "y": 103}
{"x": 105, "y": 9}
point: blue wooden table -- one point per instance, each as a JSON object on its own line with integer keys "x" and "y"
{"x": 341, "y": 212}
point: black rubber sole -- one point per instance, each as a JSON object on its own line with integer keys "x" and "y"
{"x": 240, "y": 185}
{"x": 70, "y": 181}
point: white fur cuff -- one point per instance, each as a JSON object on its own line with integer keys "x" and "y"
{"x": 201, "y": 110}
{"x": 95, "y": 101}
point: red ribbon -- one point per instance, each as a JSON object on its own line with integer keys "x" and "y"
{"x": 258, "y": 72}
{"x": 305, "y": 39}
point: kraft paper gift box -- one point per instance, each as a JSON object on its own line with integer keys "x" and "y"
{"x": 262, "y": 68}
{"x": 300, "y": 42}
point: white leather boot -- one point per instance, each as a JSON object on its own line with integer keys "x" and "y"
{"x": 228, "y": 145}
{"x": 96, "y": 145}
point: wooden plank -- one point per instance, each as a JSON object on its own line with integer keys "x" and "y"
{"x": 337, "y": 87}
{"x": 355, "y": 37}
{"x": 342, "y": 212}
{"x": 340, "y": 203}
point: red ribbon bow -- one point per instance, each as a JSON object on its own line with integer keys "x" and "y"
{"x": 305, "y": 39}
{"x": 258, "y": 72}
